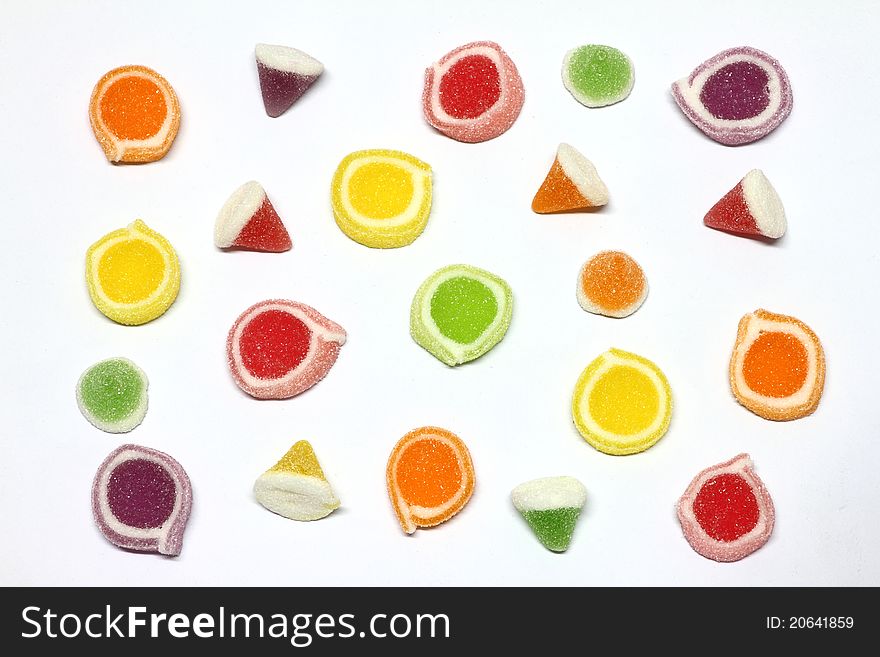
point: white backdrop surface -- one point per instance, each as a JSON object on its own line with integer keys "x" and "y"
{"x": 511, "y": 406}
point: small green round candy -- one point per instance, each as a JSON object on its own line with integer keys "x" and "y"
{"x": 597, "y": 75}
{"x": 112, "y": 395}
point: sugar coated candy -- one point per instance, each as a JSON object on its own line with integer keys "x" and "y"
{"x": 430, "y": 477}
{"x": 277, "y": 349}
{"x": 597, "y": 75}
{"x": 736, "y": 97}
{"x": 112, "y": 395}
{"x": 249, "y": 221}
{"x": 726, "y": 513}
{"x": 751, "y": 208}
{"x": 285, "y": 75}
{"x": 611, "y": 283}
{"x": 571, "y": 184}
{"x": 551, "y": 506}
{"x": 133, "y": 274}
{"x": 381, "y": 198}
{"x": 460, "y": 312}
{"x": 777, "y": 369}
{"x": 474, "y": 93}
{"x": 622, "y": 403}
{"x": 296, "y": 487}
{"x": 135, "y": 114}
{"x": 141, "y": 500}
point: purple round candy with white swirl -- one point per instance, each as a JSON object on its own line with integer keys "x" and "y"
{"x": 737, "y": 96}
{"x": 141, "y": 500}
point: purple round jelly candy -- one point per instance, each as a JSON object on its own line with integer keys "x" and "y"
{"x": 736, "y": 97}
{"x": 141, "y": 500}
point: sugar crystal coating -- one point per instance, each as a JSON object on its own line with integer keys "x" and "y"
{"x": 611, "y": 283}
{"x": 278, "y": 349}
{"x": 248, "y": 220}
{"x": 751, "y": 208}
{"x": 133, "y": 274}
{"x": 622, "y": 403}
{"x": 285, "y": 75}
{"x": 777, "y": 369}
{"x": 134, "y": 114}
{"x": 571, "y": 184}
{"x": 430, "y": 477}
{"x": 597, "y": 75}
{"x": 381, "y": 198}
{"x": 551, "y": 506}
{"x": 726, "y": 513}
{"x": 460, "y": 312}
{"x": 296, "y": 487}
{"x": 473, "y": 93}
{"x": 141, "y": 500}
{"x": 112, "y": 395}
{"x": 738, "y": 96}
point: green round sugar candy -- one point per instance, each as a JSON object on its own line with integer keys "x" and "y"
{"x": 460, "y": 312}
{"x": 112, "y": 395}
{"x": 597, "y": 75}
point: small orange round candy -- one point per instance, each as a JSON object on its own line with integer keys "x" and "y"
{"x": 430, "y": 477}
{"x": 135, "y": 114}
{"x": 611, "y": 283}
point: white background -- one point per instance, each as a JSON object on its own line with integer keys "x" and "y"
{"x": 511, "y": 407}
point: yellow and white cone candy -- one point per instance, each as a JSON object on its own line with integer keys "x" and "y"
{"x": 622, "y": 403}
{"x": 296, "y": 487}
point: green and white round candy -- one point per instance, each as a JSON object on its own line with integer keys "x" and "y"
{"x": 112, "y": 395}
{"x": 460, "y": 312}
{"x": 597, "y": 75}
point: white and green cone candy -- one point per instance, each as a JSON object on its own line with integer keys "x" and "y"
{"x": 112, "y": 395}
{"x": 551, "y": 506}
{"x": 460, "y": 312}
{"x": 597, "y": 75}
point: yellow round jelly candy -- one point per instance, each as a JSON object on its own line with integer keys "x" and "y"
{"x": 381, "y": 198}
{"x": 622, "y": 403}
{"x": 133, "y": 274}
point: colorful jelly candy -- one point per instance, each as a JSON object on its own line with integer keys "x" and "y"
{"x": 551, "y": 506}
{"x": 430, "y": 477}
{"x": 249, "y": 221}
{"x": 460, "y": 312}
{"x": 112, "y": 395}
{"x": 597, "y": 75}
{"x": 777, "y": 369}
{"x": 141, "y": 500}
{"x": 285, "y": 75}
{"x": 611, "y": 283}
{"x": 277, "y": 349}
{"x": 726, "y": 513}
{"x": 381, "y": 198}
{"x": 571, "y": 184}
{"x": 133, "y": 274}
{"x": 736, "y": 97}
{"x": 296, "y": 487}
{"x": 622, "y": 403}
{"x": 474, "y": 93}
{"x": 134, "y": 114}
{"x": 751, "y": 208}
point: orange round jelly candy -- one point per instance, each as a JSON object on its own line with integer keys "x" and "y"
{"x": 430, "y": 477}
{"x": 777, "y": 369}
{"x": 135, "y": 114}
{"x": 611, "y": 283}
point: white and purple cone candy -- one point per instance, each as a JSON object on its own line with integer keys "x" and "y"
{"x": 141, "y": 500}
{"x": 285, "y": 75}
{"x": 738, "y": 96}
